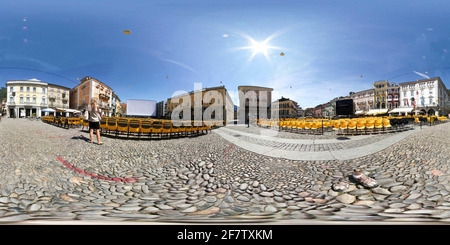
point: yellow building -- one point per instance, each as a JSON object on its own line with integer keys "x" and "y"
{"x": 204, "y": 104}
{"x": 27, "y": 98}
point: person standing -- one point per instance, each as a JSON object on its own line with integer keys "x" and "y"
{"x": 94, "y": 120}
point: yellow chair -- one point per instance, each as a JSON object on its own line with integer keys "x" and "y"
{"x": 166, "y": 128}
{"x": 351, "y": 126}
{"x": 361, "y": 125}
{"x": 103, "y": 124}
{"x": 307, "y": 126}
{"x": 122, "y": 126}
{"x": 134, "y": 127}
{"x": 194, "y": 129}
{"x": 378, "y": 124}
{"x": 85, "y": 124}
{"x": 157, "y": 128}
{"x": 336, "y": 126}
{"x": 386, "y": 124}
{"x": 370, "y": 125}
{"x": 343, "y": 126}
{"x": 111, "y": 125}
{"x": 300, "y": 126}
{"x": 72, "y": 122}
{"x": 62, "y": 122}
{"x": 183, "y": 128}
{"x": 174, "y": 130}
{"x": 315, "y": 126}
{"x": 146, "y": 127}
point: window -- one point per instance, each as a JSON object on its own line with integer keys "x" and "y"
{"x": 28, "y": 89}
{"x": 28, "y": 100}
{"x": 43, "y": 101}
{"x": 43, "y": 90}
{"x": 11, "y": 89}
{"x": 21, "y": 89}
{"x": 404, "y": 94}
{"x": 412, "y": 93}
{"x": 34, "y": 100}
{"x": 21, "y": 100}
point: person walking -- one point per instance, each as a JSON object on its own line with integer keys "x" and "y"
{"x": 94, "y": 120}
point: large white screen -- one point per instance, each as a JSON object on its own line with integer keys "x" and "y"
{"x": 141, "y": 108}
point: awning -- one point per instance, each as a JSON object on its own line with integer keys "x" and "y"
{"x": 47, "y": 110}
{"x": 376, "y": 111}
{"x": 401, "y": 110}
{"x": 359, "y": 112}
{"x": 72, "y": 111}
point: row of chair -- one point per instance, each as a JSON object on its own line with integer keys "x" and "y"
{"x": 64, "y": 122}
{"x": 122, "y": 126}
{"x": 152, "y": 128}
{"x": 366, "y": 125}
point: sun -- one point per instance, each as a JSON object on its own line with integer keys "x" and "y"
{"x": 259, "y": 47}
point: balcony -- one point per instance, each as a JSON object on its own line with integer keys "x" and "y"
{"x": 103, "y": 97}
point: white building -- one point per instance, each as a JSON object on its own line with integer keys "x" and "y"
{"x": 26, "y": 98}
{"x": 427, "y": 96}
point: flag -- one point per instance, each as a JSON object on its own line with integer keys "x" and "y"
{"x": 414, "y": 104}
{"x": 407, "y": 102}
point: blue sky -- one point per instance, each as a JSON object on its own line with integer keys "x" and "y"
{"x": 330, "y": 47}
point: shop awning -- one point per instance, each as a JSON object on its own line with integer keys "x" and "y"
{"x": 376, "y": 111}
{"x": 401, "y": 110}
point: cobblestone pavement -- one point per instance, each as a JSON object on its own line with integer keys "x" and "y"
{"x": 51, "y": 174}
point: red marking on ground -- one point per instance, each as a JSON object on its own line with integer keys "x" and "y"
{"x": 94, "y": 175}
{"x": 229, "y": 148}
{"x": 37, "y": 132}
{"x": 226, "y": 151}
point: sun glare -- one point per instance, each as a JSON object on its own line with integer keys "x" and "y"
{"x": 259, "y": 47}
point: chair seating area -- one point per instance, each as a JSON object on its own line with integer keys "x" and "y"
{"x": 350, "y": 126}
{"x": 138, "y": 127}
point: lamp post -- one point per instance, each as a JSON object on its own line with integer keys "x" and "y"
{"x": 14, "y": 101}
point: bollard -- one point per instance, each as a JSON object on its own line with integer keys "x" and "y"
{"x": 322, "y": 126}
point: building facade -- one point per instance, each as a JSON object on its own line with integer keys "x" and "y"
{"x": 427, "y": 96}
{"x": 27, "y": 98}
{"x": 161, "y": 108}
{"x": 204, "y": 104}
{"x": 90, "y": 87}
{"x": 254, "y": 102}
{"x": 284, "y": 108}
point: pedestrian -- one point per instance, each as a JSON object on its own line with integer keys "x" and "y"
{"x": 248, "y": 122}
{"x": 94, "y": 120}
